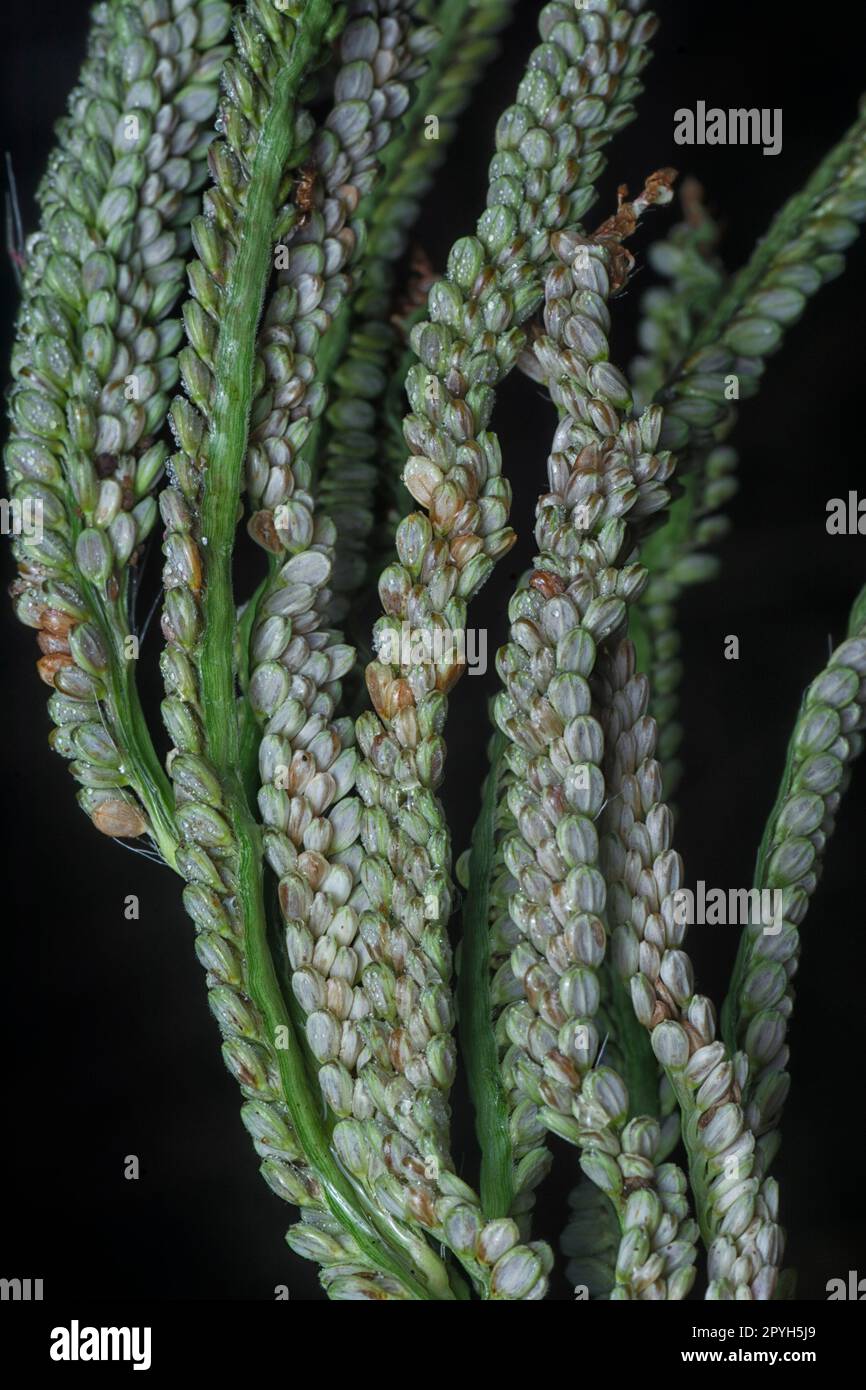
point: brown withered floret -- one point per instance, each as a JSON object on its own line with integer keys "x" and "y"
{"x": 53, "y": 627}
{"x": 50, "y": 642}
{"x": 305, "y": 191}
{"x": 546, "y": 583}
{"x": 49, "y": 665}
{"x": 634, "y": 1184}
{"x": 262, "y": 529}
{"x": 614, "y": 230}
{"x": 58, "y": 623}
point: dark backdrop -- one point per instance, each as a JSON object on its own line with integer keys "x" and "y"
{"x": 110, "y": 1049}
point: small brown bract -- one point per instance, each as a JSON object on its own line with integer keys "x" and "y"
{"x": 305, "y": 192}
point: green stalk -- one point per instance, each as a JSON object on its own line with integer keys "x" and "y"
{"x": 475, "y": 1008}
{"x": 150, "y": 780}
{"x": 248, "y": 735}
{"x": 640, "y": 1069}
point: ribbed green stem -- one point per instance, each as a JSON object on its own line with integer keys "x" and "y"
{"x": 248, "y": 733}
{"x": 476, "y": 1011}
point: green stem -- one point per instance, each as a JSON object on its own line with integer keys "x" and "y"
{"x": 146, "y": 774}
{"x": 331, "y": 352}
{"x": 662, "y": 548}
{"x": 641, "y": 635}
{"x": 640, "y": 1068}
{"x": 248, "y": 735}
{"x": 476, "y": 1013}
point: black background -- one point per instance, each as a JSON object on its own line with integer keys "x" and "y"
{"x": 109, "y": 1048}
